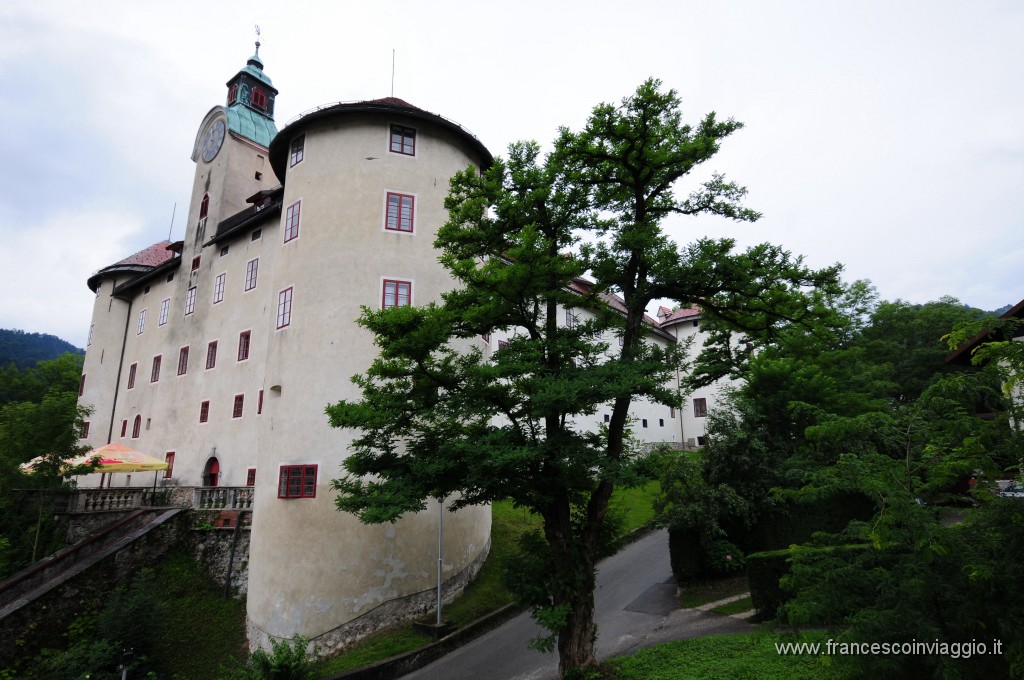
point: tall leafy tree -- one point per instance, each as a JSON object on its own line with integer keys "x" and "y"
{"x": 439, "y": 417}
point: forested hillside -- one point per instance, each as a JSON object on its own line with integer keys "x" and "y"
{"x": 24, "y": 350}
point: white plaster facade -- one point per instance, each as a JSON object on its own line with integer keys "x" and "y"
{"x": 296, "y": 219}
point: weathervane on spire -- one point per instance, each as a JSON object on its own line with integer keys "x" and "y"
{"x": 257, "y": 40}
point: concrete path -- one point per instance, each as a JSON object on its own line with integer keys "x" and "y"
{"x": 635, "y": 607}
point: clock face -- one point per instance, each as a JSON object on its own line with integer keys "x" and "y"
{"x": 213, "y": 140}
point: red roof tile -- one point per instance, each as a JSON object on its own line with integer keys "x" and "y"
{"x": 154, "y": 255}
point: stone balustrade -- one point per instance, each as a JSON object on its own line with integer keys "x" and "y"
{"x": 203, "y": 498}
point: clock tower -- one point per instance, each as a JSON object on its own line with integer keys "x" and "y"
{"x": 230, "y": 153}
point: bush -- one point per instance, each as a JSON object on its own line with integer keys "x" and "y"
{"x": 764, "y": 570}
{"x": 287, "y": 660}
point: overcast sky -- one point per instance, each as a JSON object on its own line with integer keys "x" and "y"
{"x": 885, "y": 135}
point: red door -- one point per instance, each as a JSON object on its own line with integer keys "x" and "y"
{"x": 212, "y": 472}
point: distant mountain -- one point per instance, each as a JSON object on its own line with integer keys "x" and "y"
{"x": 24, "y": 350}
{"x": 1002, "y": 310}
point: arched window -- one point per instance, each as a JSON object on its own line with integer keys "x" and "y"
{"x": 137, "y": 427}
{"x": 211, "y": 473}
{"x": 233, "y": 94}
{"x": 204, "y": 206}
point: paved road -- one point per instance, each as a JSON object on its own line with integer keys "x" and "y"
{"x": 635, "y": 607}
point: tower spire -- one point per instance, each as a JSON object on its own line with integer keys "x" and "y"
{"x": 257, "y": 40}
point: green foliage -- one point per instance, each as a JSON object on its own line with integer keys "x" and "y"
{"x": 24, "y": 350}
{"x": 748, "y": 655}
{"x": 39, "y": 419}
{"x": 438, "y": 418}
{"x": 287, "y": 660}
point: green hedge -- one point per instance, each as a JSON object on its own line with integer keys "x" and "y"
{"x": 764, "y": 569}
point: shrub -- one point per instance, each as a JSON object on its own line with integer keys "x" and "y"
{"x": 287, "y": 660}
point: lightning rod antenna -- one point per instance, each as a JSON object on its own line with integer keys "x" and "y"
{"x": 170, "y": 230}
{"x": 392, "y": 71}
{"x": 257, "y": 40}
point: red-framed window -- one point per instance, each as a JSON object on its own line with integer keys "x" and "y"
{"x": 700, "y": 407}
{"x": 298, "y": 150}
{"x": 85, "y": 430}
{"x": 403, "y": 140}
{"x": 243, "y": 345}
{"x": 233, "y": 94}
{"x": 195, "y": 262}
{"x": 81, "y": 385}
{"x": 131, "y": 375}
{"x": 236, "y": 409}
{"x": 291, "y": 221}
{"x": 190, "y": 301}
{"x": 204, "y": 207}
{"x": 284, "y": 308}
{"x": 183, "y": 360}
{"x": 259, "y": 403}
{"x": 169, "y": 459}
{"x": 204, "y": 412}
{"x": 400, "y": 212}
{"x": 252, "y": 268}
{"x": 154, "y": 375}
{"x": 165, "y": 308}
{"x": 142, "y": 322}
{"x": 297, "y": 481}
{"x": 250, "y": 477}
{"x": 396, "y": 293}
{"x": 211, "y": 355}
{"x": 258, "y": 98}
{"x": 124, "y": 427}
{"x": 502, "y": 344}
{"x": 137, "y": 427}
{"x": 218, "y": 288}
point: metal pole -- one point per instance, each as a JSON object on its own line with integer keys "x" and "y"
{"x": 440, "y": 556}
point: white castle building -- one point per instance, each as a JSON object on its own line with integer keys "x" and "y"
{"x": 219, "y": 353}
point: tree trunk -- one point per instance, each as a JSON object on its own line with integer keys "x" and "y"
{"x": 576, "y": 640}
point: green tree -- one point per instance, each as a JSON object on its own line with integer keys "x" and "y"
{"x": 437, "y": 417}
{"x": 42, "y": 421}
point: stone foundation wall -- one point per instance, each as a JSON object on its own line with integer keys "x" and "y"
{"x": 387, "y": 614}
{"x": 212, "y": 548}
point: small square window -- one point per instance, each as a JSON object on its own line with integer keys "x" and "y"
{"x": 170, "y": 277}
{"x": 607, "y": 418}
{"x": 224, "y": 250}
{"x": 236, "y": 410}
{"x": 204, "y": 412}
{"x": 396, "y": 294}
{"x": 211, "y": 355}
{"x": 256, "y": 235}
{"x": 297, "y": 481}
{"x": 131, "y": 375}
{"x": 291, "y": 221}
{"x": 661, "y": 422}
{"x": 403, "y": 140}
{"x": 400, "y": 212}
{"x": 154, "y": 375}
{"x": 298, "y": 150}
{"x": 169, "y": 459}
{"x": 195, "y": 262}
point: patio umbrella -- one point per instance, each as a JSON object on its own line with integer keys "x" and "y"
{"x": 119, "y": 458}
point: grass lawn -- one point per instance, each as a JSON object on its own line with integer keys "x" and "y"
{"x": 701, "y": 592}
{"x": 725, "y": 657}
{"x": 737, "y": 607}
{"x": 487, "y": 593}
